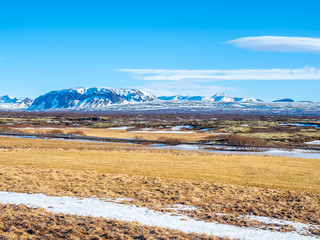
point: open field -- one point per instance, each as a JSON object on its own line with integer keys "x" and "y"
{"x": 21, "y": 222}
{"x": 226, "y": 189}
{"x": 262, "y": 171}
{"x": 157, "y": 193}
{"x": 276, "y": 131}
{"x": 122, "y": 133}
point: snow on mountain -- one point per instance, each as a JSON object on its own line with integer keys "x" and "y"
{"x": 85, "y": 98}
{"x": 180, "y": 97}
{"x": 218, "y": 97}
{"x": 8, "y": 102}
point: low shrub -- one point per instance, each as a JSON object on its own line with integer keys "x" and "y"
{"x": 170, "y": 141}
{"x": 55, "y": 132}
{"x": 7, "y": 129}
{"x": 76, "y": 132}
{"x": 286, "y": 146}
{"x": 246, "y": 143}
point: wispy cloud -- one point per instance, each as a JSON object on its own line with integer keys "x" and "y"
{"x": 278, "y": 44}
{"x": 306, "y": 73}
{"x": 183, "y": 87}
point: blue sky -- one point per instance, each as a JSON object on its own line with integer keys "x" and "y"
{"x": 51, "y": 45}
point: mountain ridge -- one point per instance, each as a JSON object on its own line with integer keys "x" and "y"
{"x": 84, "y": 98}
{"x": 8, "y": 102}
{"x": 218, "y": 97}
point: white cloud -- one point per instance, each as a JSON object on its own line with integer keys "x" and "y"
{"x": 306, "y": 73}
{"x": 182, "y": 88}
{"x": 278, "y": 44}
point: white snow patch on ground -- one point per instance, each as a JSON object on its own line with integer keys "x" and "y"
{"x": 300, "y": 227}
{"x": 177, "y": 207}
{"x": 315, "y": 142}
{"x": 297, "y": 153}
{"x": 119, "y": 128}
{"x": 176, "y": 147}
{"x": 113, "y": 210}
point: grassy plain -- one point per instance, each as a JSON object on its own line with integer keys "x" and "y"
{"x": 262, "y": 171}
{"x": 121, "y": 133}
{"x": 236, "y": 185}
{"x": 21, "y": 222}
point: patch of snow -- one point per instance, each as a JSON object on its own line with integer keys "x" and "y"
{"x": 119, "y": 128}
{"x": 315, "y": 142}
{"x": 297, "y": 153}
{"x": 176, "y": 147}
{"x": 184, "y": 207}
{"x": 299, "y": 227}
{"x": 112, "y": 210}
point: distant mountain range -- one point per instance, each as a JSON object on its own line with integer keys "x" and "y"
{"x": 85, "y": 98}
{"x": 219, "y": 97}
{"x": 7, "y": 102}
{"x": 99, "y": 98}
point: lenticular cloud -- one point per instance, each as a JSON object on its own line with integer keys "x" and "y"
{"x": 278, "y": 44}
{"x": 305, "y": 73}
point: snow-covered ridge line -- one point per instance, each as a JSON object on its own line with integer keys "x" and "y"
{"x": 114, "y": 210}
{"x": 89, "y": 98}
{"x": 218, "y": 97}
{"x": 8, "y": 102}
{"x": 119, "y": 99}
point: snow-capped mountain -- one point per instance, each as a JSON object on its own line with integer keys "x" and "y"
{"x": 180, "y": 97}
{"x": 85, "y": 98}
{"x": 7, "y": 102}
{"x": 218, "y": 97}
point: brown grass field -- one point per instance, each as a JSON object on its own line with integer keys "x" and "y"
{"x": 21, "y": 222}
{"x": 247, "y": 170}
{"x": 285, "y": 188}
{"x": 121, "y": 133}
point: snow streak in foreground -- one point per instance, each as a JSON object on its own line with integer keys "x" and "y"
{"x": 113, "y": 210}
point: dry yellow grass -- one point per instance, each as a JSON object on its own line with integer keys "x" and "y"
{"x": 270, "y": 172}
{"x": 285, "y": 136}
{"x": 21, "y": 222}
{"x": 61, "y": 167}
{"x": 121, "y": 133}
{"x": 284, "y": 188}
{"x": 160, "y": 194}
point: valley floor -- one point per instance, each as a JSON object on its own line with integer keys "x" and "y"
{"x": 223, "y": 189}
{"x": 54, "y": 189}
